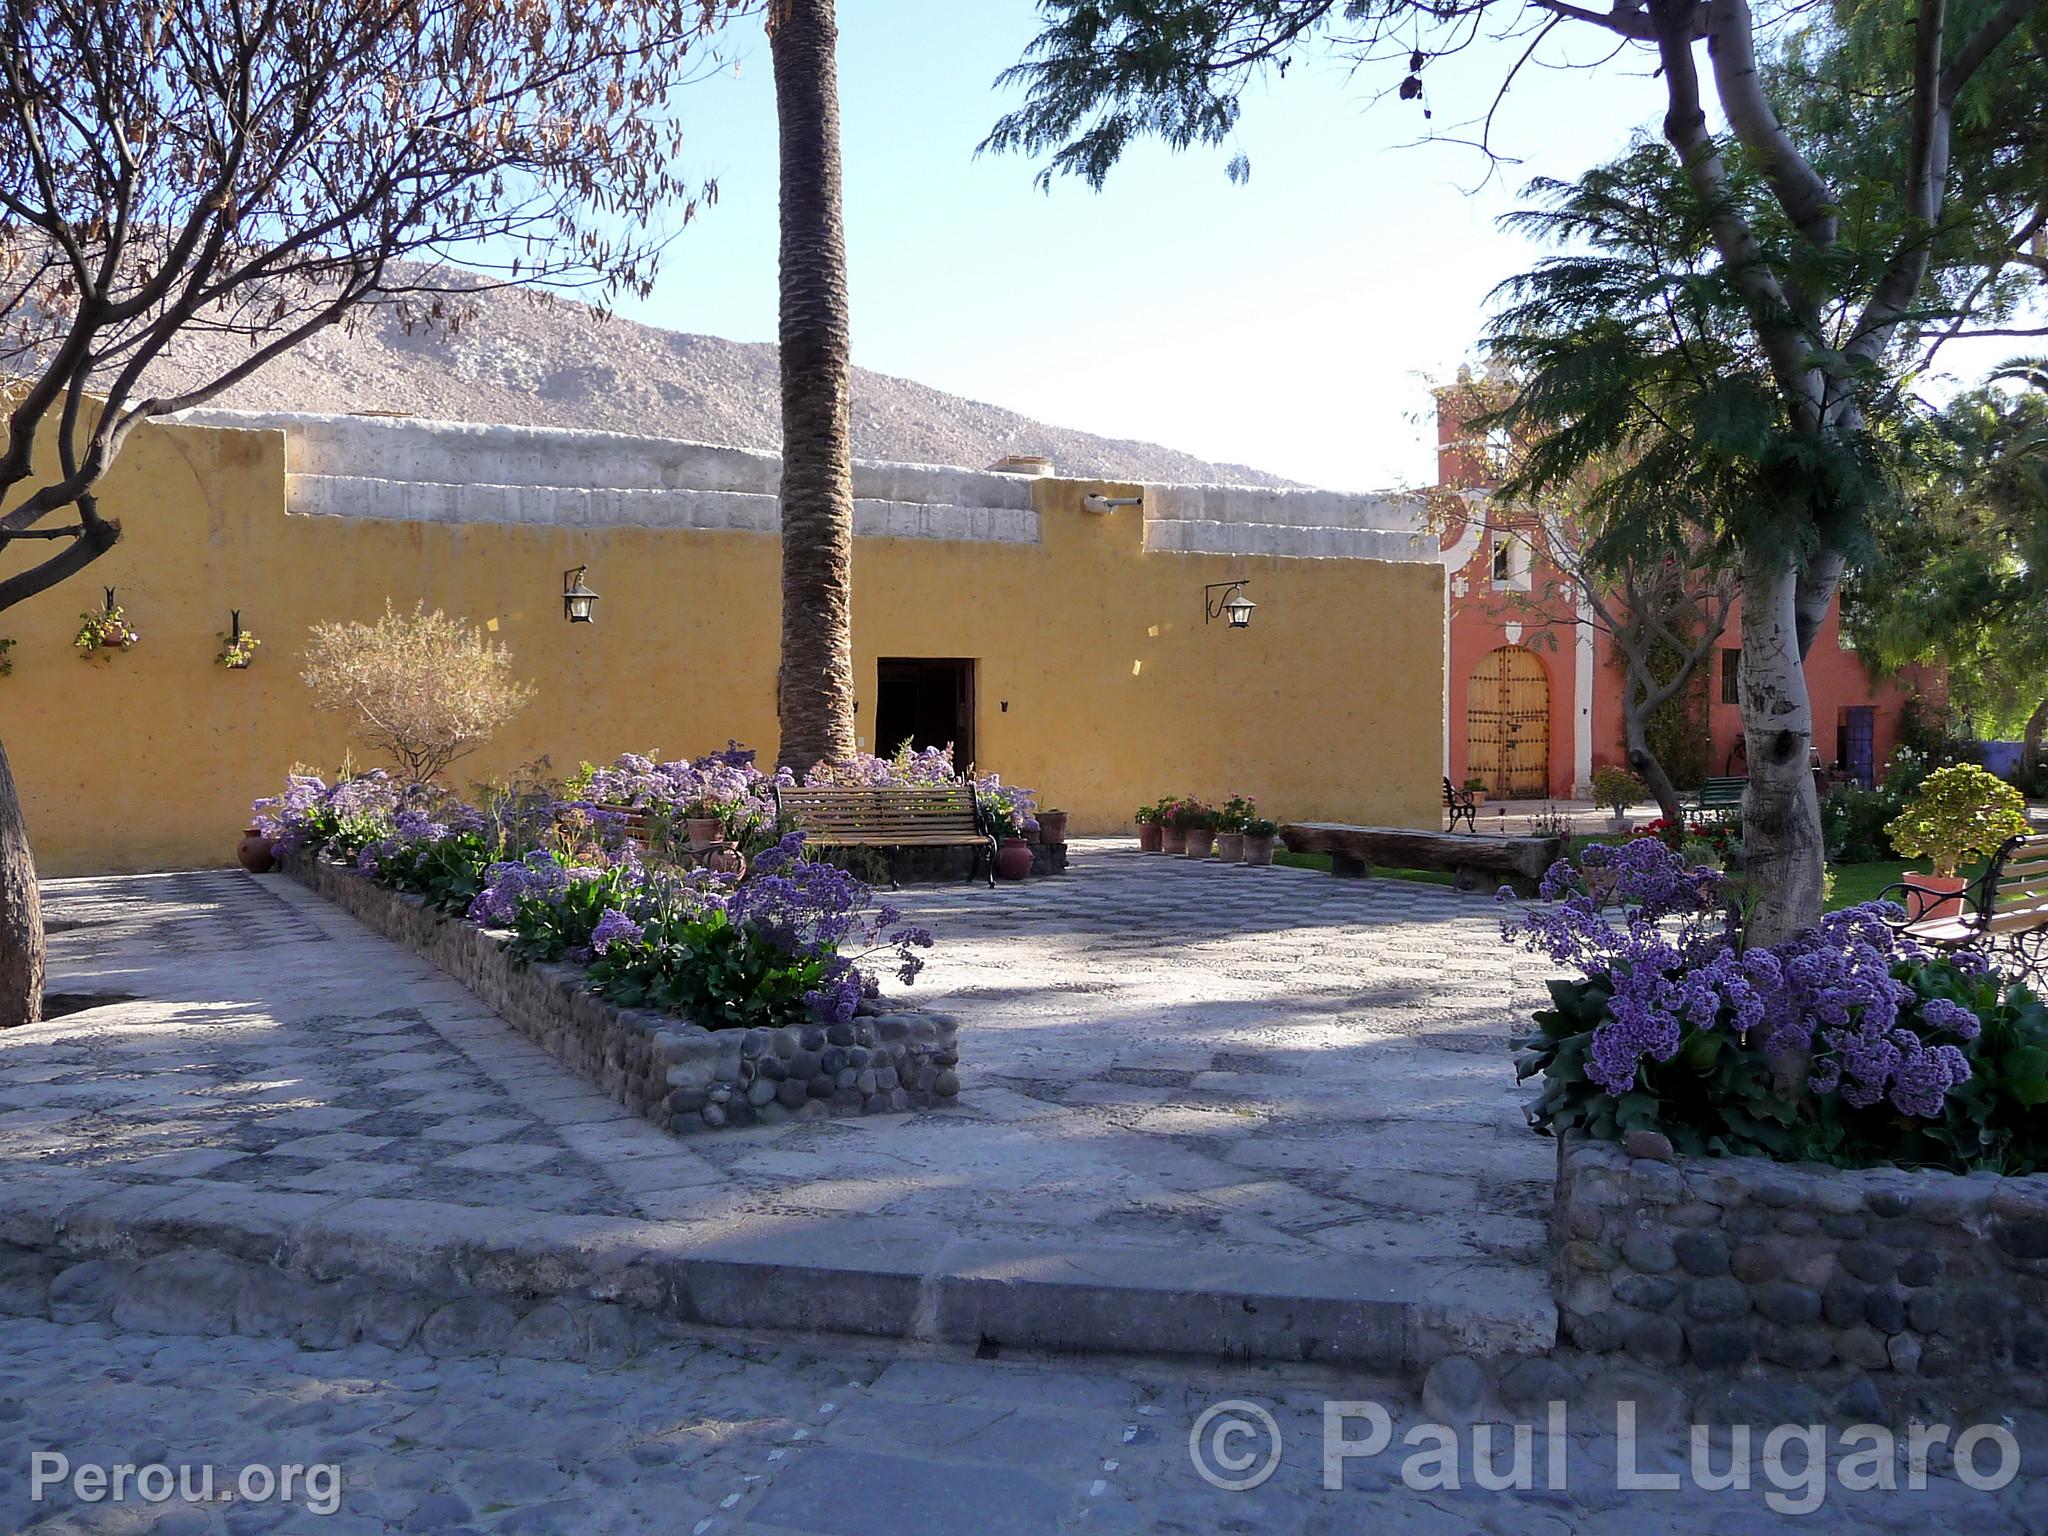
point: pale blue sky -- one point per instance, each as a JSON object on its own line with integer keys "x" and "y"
{"x": 1291, "y": 323}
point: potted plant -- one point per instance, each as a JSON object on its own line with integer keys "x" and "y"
{"x": 1231, "y": 820}
{"x": 6, "y": 661}
{"x": 1052, "y": 826}
{"x": 237, "y": 650}
{"x": 1173, "y": 834}
{"x": 1197, "y": 823}
{"x": 1149, "y": 826}
{"x": 704, "y": 821}
{"x": 1006, "y": 824}
{"x": 105, "y": 631}
{"x": 1617, "y": 789}
{"x": 1259, "y": 837}
{"x": 1475, "y": 786}
{"x": 1958, "y": 812}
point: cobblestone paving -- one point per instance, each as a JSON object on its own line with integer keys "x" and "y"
{"x": 725, "y": 1436}
{"x": 1172, "y": 1061}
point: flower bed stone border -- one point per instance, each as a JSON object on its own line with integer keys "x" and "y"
{"x": 1723, "y": 1262}
{"x": 683, "y": 1077}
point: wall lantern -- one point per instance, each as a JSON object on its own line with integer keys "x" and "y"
{"x": 579, "y": 603}
{"x": 1232, "y": 605}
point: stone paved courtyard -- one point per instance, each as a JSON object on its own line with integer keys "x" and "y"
{"x": 726, "y": 1435}
{"x": 1177, "y": 1072}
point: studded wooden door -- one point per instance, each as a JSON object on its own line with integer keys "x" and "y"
{"x": 1507, "y": 724}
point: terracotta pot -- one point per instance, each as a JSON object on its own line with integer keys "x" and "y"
{"x": 1013, "y": 858}
{"x": 1052, "y": 826}
{"x": 703, "y": 831}
{"x": 1173, "y": 840}
{"x": 1478, "y": 796}
{"x": 1148, "y": 836}
{"x": 1230, "y": 847}
{"x": 726, "y": 861}
{"x": 1935, "y": 896}
{"x": 1258, "y": 850}
{"x": 255, "y": 852}
{"x": 1201, "y": 842}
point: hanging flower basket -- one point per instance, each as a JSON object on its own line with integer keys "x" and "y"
{"x": 237, "y": 650}
{"x": 106, "y": 630}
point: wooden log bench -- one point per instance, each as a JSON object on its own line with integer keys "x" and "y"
{"x": 889, "y": 817}
{"x": 1477, "y": 861}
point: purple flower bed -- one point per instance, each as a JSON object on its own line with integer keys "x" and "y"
{"x": 796, "y": 941}
{"x": 1848, "y": 1044}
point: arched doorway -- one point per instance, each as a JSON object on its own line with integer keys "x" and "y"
{"x": 1507, "y": 724}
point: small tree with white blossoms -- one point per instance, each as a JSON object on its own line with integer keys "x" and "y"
{"x": 423, "y": 687}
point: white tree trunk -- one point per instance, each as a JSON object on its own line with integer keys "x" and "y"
{"x": 1782, "y": 854}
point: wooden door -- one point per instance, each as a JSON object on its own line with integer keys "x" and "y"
{"x": 1507, "y": 724}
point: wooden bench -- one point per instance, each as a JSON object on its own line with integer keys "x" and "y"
{"x": 1475, "y": 860}
{"x": 889, "y": 817}
{"x": 1460, "y": 804}
{"x": 1718, "y": 799}
{"x": 2003, "y": 912}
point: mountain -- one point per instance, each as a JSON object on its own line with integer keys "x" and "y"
{"x": 559, "y": 363}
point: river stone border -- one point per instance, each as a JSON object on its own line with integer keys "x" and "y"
{"x": 1722, "y": 1262}
{"x": 683, "y": 1077}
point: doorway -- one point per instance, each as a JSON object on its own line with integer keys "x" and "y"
{"x": 1507, "y": 724}
{"x": 925, "y": 701}
{"x": 1856, "y": 743}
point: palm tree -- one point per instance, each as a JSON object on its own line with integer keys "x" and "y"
{"x": 815, "y": 695}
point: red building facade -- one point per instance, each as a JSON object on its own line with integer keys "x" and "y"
{"x": 1536, "y": 686}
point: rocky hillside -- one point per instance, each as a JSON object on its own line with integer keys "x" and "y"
{"x": 559, "y": 364}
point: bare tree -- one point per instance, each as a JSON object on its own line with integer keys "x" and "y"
{"x": 815, "y": 683}
{"x": 422, "y": 687}
{"x": 263, "y": 168}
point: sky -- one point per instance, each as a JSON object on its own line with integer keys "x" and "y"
{"x": 1294, "y": 323}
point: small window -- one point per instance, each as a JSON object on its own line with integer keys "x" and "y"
{"x": 1731, "y": 676}
{"x": 1511, "y": 563}
{"x": 1500, "y": 447}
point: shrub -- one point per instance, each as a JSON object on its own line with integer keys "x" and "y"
{"x": 1190, "y": 816}
{"x": 1853, "y": 821}
{"x": 1259, "y": 826}
{"x": 1959, "y": 811}
{"x": 792, "y": 942}
{"x": 423, "y": 687}
{"x": 1845, "y": 1045}
{"x": 1617, "y": 788}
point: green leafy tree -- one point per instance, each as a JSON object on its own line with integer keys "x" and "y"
{"x": 1834, "y": 242}
{"x": 1958, "y": 573}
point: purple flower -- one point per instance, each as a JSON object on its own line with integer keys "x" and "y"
{"x": 614, "y": 927}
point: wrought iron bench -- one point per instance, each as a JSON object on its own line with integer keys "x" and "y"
{"x": 1459, "y": 805}
{"x": 1718, "y": 799}
{"x": 889, "y": 817}
{"x": 2003, "y": 913}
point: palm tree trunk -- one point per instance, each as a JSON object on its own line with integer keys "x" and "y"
{"x": 1782, "y": 854}
{"x": 815, "y": 702}
{"x": 21, "y": 913}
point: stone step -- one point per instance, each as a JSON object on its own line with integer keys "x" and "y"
{"x": 871, "y": 1277}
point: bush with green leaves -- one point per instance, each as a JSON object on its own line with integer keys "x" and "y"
{"x": 1853, "y": 821}
{"x": 1960, "y": 811}
{"x": 702, "y": 965}
{"x": 1617, "y": 788}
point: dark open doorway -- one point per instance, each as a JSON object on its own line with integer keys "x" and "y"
{"x": 926, "y": 702}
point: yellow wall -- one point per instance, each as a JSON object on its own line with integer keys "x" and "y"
{"x": 1328, "y": 707}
